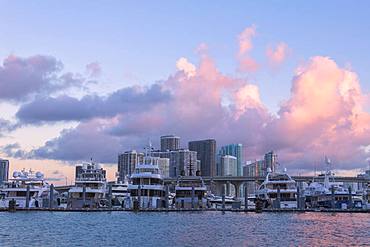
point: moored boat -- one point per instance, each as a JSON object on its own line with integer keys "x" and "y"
{"x": 27, "y": 189}
{"x": 147, "y": 188}
{"x": 90, "y": 188}
{"x": 190, "y": 194}
{"x": 278, "y": 190}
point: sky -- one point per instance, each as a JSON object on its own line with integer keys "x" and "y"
{"x": 82, "y": 79}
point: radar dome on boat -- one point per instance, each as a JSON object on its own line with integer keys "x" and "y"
{"x": 84, "y": 166}
{"x": 39, "y": 175}
{"x": 23, "y": 174}
{"x": 285, "y": 170}
{"x": 16, "y": 174}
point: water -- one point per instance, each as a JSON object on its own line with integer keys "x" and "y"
{"x": 183, "y": 229}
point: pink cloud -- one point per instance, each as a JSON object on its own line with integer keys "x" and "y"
{"x": 246, "y": 63}
{"x": 245, "y": 40}
{"x": 324, "y": 115}
{"x": 277, "y": 55}
{"x": 93, "y": 69}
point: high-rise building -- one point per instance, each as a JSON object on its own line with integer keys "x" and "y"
{"x": 206, "y": 153}
{"x": 229, "y": 165}
{"x": 163, "y": 164}
{"x": 170, "y": 142}
{"x": 4, "y": 170}
{"x": 182, "y": 161}
{"x": 235, "y": 150}
{"x": 271, "y": 160}
{"x": 127, "y": 162}
{"x": 255, "y": 169}
{"x": 259, "y": 168}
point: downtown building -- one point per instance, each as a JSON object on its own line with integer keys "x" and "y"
{"x": 170, "y": 142}
{"x": 127, "y": 162}
{"x": 182, "y": 162}
{"x": 4, "y": 171}
{"x": 163, "y": 164}
{"x": 235, "y": 150}
{"x": 206, "y": 153}
{"x": 259, "y": 168}
{"x": 229, "y": 165}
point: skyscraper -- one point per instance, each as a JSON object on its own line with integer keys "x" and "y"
{"x": 182, "y": 161}
{"x": 234, "y": 150}
{"x": 170, "y": 142}
{"x": 163, "y": 164}
{"x": 271, "y": 160}
{"x": 261, "y": 167}
{"x": 127, "y": 162}
{"x": 229, "y": 165}
{"x": 4, "y": 170}
{"x": 206, "y": 153}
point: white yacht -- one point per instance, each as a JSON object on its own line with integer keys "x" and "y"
{"x": 147, "y": 189}
{"x": 366, "y": 190}
{"x": 268, "y": 191}
{"x": 26, "y": 183}
{"x": 90, "y": 187}
{"x": 184, "y": 192}
{"x": 366, "y": 197}
{"x": 120, "y": 194}
{"x": 216, "y": 201}
{"x": 320, "y": 194}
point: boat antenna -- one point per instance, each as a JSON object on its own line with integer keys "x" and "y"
{"x": 327, "y": 172}
{"x": 148, "y": 149}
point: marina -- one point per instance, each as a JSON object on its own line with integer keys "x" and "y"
{"x": 145, "y": 190}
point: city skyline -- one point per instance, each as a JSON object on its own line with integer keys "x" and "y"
{"x": 259, "y": 79}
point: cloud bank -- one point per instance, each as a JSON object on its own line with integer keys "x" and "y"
{"x": 21, "y": 78}
{"x": 324, "y": 114}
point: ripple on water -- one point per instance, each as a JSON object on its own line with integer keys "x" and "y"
{"x": 183, "y": 229}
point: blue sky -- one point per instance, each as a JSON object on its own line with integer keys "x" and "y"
{"x": 140, "y": 42}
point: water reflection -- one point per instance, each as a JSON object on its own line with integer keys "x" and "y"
{"x": 183, "y": 229}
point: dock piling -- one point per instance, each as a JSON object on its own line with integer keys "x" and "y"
{"x": 278, "y": 197}
{"x": 298, "y": 197}
{"x": 350, "y": 197}
{"x": 84, "y": 195}
{"x": 332, "y": 197}
{"x": 166, "y": 196}
{"x": 51, "y": 196}
{"x": 110, "y": 196}
{"x": 246, "y": 197}
{"x": 139, "y": 196}
{"x": 192, "y": 197}
{"x": 28, "y": 197}
{"x": 223, "y": 198}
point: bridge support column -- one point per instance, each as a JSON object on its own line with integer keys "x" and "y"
{"x": 218, "y": 188}
{"x": 237, "y": 188}
{"x": 228, "y": 192}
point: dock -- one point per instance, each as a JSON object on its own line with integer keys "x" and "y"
{"x": 178, "y": 210}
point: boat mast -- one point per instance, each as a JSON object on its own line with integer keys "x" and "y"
{"x": 327, "y": 172}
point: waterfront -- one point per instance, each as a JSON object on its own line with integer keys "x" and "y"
{"x": 183, "y": 229}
